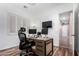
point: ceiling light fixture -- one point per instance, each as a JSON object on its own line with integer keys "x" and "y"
{"x": 25, "y": 6}
{"x": 29, "y": 4}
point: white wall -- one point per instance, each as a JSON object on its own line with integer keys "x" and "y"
{"x": 53, "y": 14}
{"x": 76, "y": 17}
{"x": 31, "y": 17}
{"x": 6, "y": 40}
{"x": 9, "y": 40}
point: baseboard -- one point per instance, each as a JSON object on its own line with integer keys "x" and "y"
{"x": 8, "y": 48}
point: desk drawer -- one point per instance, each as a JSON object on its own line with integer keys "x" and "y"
{"x": 40, "y": 49}
{"x": 39, "y": 42}
{"x": 40, "y": 46}
{"x": 40, "y": 53}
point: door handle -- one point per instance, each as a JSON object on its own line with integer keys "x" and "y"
{"x": 73, "y": 35}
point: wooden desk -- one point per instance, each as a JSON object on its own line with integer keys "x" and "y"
{"x": 44, "y": 46}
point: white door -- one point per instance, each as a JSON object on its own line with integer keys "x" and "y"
{"x": 67, "y": 33}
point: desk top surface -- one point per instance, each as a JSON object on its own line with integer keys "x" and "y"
{"x": 40, "y": 38}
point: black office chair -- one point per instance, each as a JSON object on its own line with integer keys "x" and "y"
{"x": 24, "y": 45}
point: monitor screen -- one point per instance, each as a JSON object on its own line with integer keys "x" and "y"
{"x": 32, "y": 31}
{"x": 44, "y": 31}
{"x": 47, "y": 24}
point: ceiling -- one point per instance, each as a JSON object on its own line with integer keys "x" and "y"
{"x": 32, "y": 9}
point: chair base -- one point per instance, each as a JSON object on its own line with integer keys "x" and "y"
{"x": 26, "y": 53}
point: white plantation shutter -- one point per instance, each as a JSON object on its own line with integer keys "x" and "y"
{"x": 19, "y": 22}
{"x": 12, "y": 22}
{"x": 15, "y": 22}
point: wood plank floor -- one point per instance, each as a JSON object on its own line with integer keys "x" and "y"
{"x": 62, "y": 52}
{"x": 15, "y": 52}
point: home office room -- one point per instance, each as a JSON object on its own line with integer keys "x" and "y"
{"x": 36, "y": 29}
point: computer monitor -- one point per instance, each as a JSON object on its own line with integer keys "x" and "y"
{"x": 32, "y": 31}
{"x": 47, "y": 24}
{"x": 45, "y": 31}
{"x": 38, "y": 33}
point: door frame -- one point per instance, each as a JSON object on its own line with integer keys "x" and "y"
{"x": 60, "y": 34}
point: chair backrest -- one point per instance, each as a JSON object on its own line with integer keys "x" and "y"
{"x": 22, "y": 35}
{"x": 23, "y": 40}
